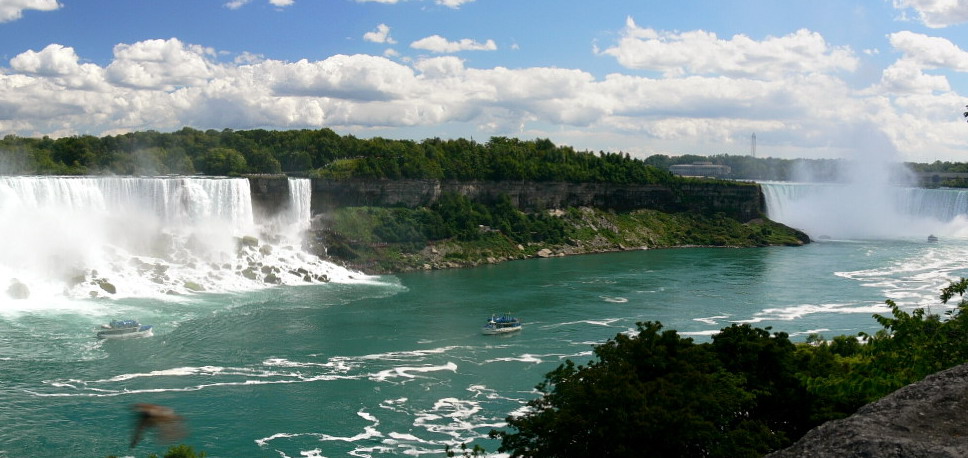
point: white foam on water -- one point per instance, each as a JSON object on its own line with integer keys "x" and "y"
{"x": 797, "y": 312}
{"x": 712, "y": 320}
{"x": 70, "y": 238}
{"x": 369, "y": 434}
{"x": 809, "y": 332}
{"x": 409, "y": 372}
{"x": 525, "y": 358}
{"x": 709, "y": 332}
{"x": 605, "y": 322}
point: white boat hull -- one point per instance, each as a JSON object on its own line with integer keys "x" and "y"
{"x": 143, "y": 331}
{"x": 495, "y": 330}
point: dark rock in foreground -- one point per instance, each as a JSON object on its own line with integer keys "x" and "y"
{"x": 925, "y": 419}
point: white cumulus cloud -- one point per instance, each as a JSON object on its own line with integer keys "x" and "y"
{"x": 439, "y": 44}
{"x": 161, "y": 64}
{"x": 919, "y": 54}
{"x": 11, "y": 10}
{"x": 453, "y": 3}
{"x": 380, "y": 35}
{"x": 167, "y": 84}
{"x": 937, "y": 13}
{"x": 236, "y": 4}
{"x": 703, "y": 53}
{"x": 931, "y": 52}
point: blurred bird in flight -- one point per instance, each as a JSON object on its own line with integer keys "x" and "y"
{"x": 169, "y": 425}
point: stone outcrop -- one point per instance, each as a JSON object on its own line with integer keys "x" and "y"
{"x": 925, "y": 419}
{"x": 270, "y": 193}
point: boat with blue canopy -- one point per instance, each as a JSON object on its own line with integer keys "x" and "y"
{"x": 118, "y": 329}
{"x": 501, "y": 324}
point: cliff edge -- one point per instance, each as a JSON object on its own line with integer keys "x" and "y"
{"x": 925, "y": 419}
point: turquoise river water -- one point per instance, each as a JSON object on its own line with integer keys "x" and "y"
{"x": 397, "y": 365}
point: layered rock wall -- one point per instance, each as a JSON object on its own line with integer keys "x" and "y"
{"x": 743, "y": 201}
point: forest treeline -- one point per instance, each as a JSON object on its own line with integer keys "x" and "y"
{"x": 324, "y": 153}
{"x": 319, "y": 153}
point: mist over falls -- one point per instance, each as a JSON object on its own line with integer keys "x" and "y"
{"x": 81, "y": 237}
{"x": 862, "y": 211}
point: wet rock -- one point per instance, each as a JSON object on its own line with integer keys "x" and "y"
{"x": 249, "y": 241}
{"x": 249, "y": 273}
{"x": 107, "y": 286}
{"x": 544, "y": 253}
{"x": 272, "y": 278}
{"x": 18, "y": 290}
{"x": 192, "y": 286}
{"x": 265, "y": 250}
{"x": 924, "y": 419}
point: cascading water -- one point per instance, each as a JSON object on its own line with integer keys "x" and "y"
{"x": 856, "y": 211}
{"x": 79, "y": 237}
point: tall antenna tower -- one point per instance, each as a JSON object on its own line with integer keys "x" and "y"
{"x": 753, "y": 145}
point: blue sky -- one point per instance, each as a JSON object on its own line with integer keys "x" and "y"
{"x": 816, "y": 79}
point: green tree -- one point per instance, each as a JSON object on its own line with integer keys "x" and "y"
{"x": 222, "y": 161}
{"x": 654, "y": 391}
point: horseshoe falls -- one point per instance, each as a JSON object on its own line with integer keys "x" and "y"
{"x": 859, "y": 211}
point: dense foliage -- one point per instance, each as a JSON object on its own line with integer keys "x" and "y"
{"x": 461, "y": 232}
{"x": 745, "y": 393}
{"x": 324, "y": 153}
{"x": 320, "y": 153}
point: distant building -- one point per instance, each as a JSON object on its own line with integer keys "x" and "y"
{"x": 701, "y": 169}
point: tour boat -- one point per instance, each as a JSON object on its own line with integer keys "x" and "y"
{"x": 118, "y": 329}
{"x": 501, "y": 324}
{"x": 932, "y": 238}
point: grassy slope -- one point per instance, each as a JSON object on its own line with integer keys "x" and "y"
{"x": 350, "y": 239}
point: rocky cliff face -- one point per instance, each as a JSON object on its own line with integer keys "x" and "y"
{"x": 270, "y": 193}
{"x": 742, "y": 201}
{"x": 925, "y": 419}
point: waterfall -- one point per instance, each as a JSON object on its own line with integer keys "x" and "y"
{"x": 84, "y": 237}
{"x": 854, "y": 211}
{"x": 300, "y": 197}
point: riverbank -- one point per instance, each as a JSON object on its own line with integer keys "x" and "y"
{"x": 350, "y": 236}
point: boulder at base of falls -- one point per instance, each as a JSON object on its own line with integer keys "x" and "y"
{"x": 18, "y": 290}
{"x": 249, "y": 241}
{"x": 925, "y": 419}
{"x": 192, "y": 286}
{"x": 107, "y": 286}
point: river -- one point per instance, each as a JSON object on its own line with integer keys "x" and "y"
{"x": 374, "y": 366}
